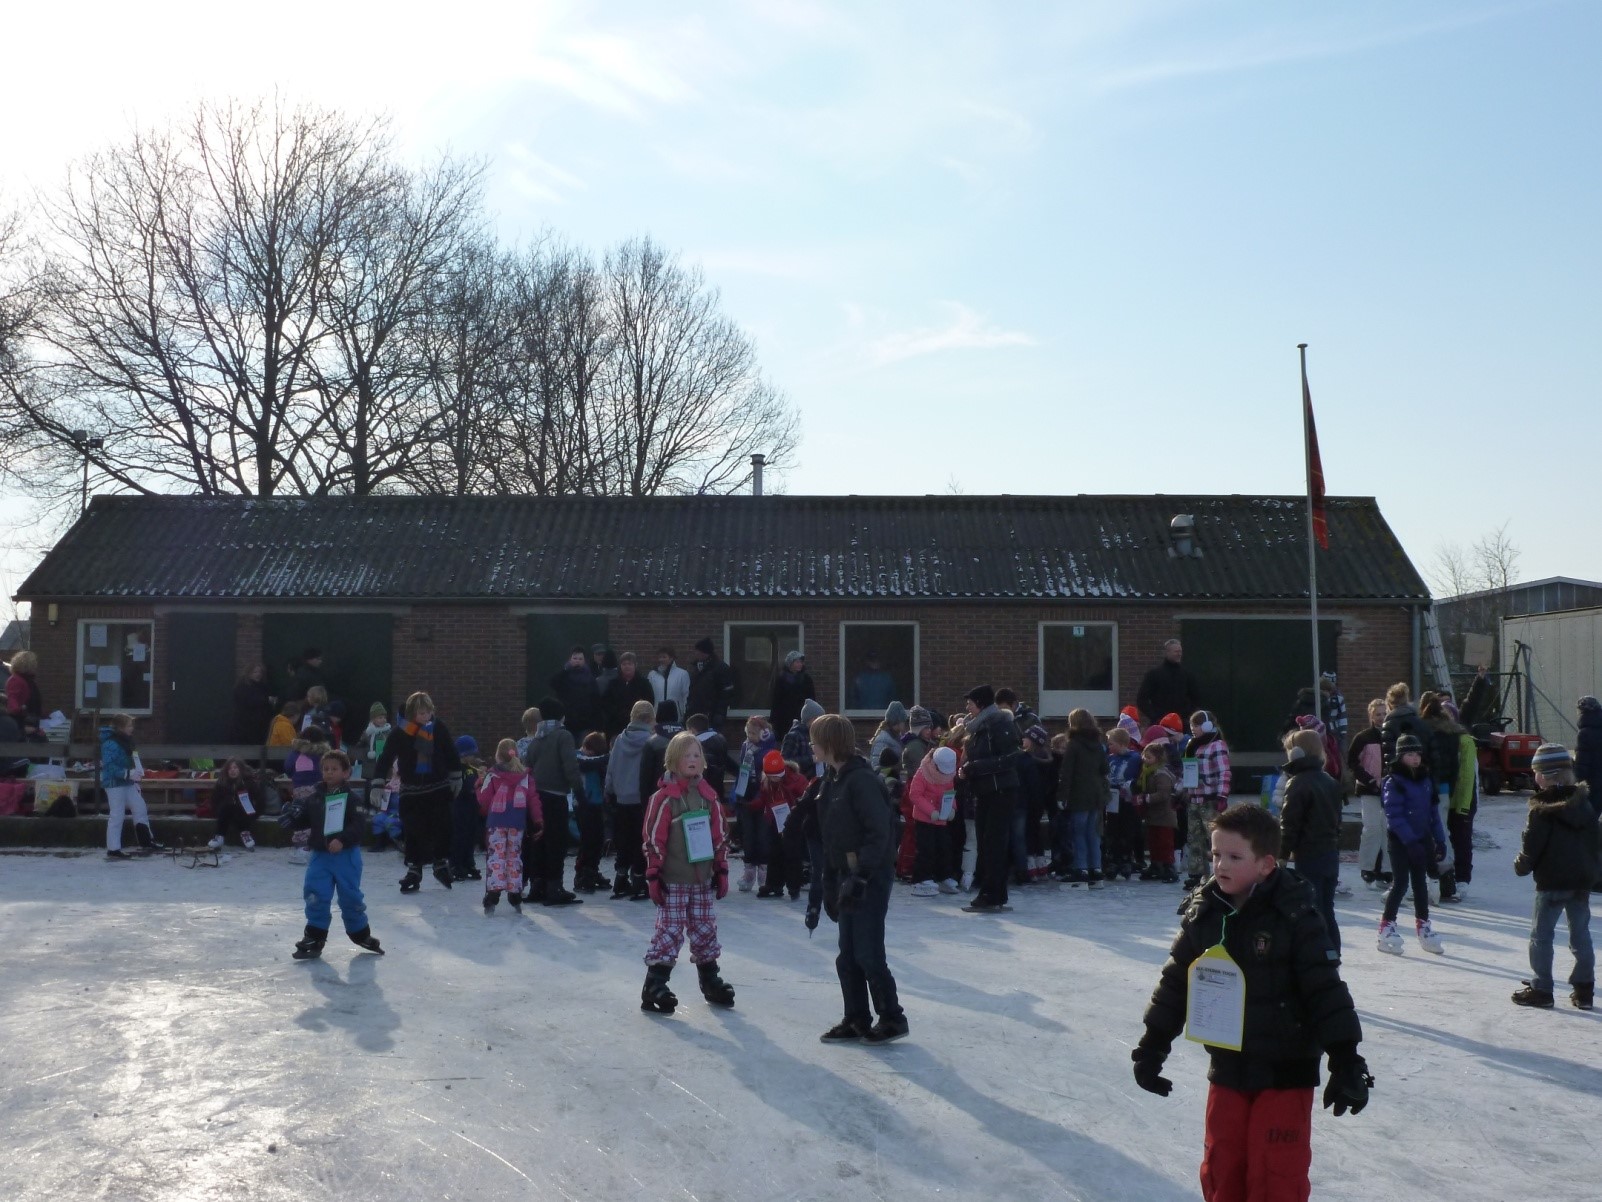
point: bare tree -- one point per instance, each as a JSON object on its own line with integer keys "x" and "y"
{"x": 1496, "y": 559}
{"x": 1476, "y": 582}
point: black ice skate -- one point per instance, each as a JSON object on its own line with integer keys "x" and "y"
{"x": 413, "y": 880}
{"x": 364, "y": 940}
{"x": 714, "y": 988}
{"x": 311, "y": 946}
{"x": 442, "y": 872}
{"x": 656, "y": 997}
{"x": 492, "y": 898}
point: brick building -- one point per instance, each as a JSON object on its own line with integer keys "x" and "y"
{"x": 157, "y": 605}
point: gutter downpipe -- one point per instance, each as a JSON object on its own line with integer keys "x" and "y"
{"x": 1418, "y": 649}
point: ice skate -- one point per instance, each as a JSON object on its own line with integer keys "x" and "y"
{"x": 147, "y": 840}
{"x": 116, "y": 853}
{"x": 926, "y": 889}
{"x": 847, "y": 1030}
{"x": 620, "y": 887}
{"x": 949, "y": 885}
{"x": 1582, "y": 997}
{"x": 1342, "y": 889}
{"x": 492, "y": 898}
{"x": 413, "y": 880}
{"x": 214, "y": 843}
{"x": 1093, "y": 880}
{"x": 515, "y": 900}
{"x": 1390, "y": 939}
{"x": 714, "y": 988}
{"x": 748, "y": 878}
{"x": 364, "y": 940}
{"x": 248, "y": 840}
{"x": 443, "y": 873}
{"x": 655, "y": 996}
{"x": 887, "y": 1030}
{"x": 1428, "y": 939}
{"x": 1539, "y": 999}
{"x": 310, "y": 947}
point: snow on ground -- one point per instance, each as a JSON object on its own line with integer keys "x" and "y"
{"x": 161, "y": 1044}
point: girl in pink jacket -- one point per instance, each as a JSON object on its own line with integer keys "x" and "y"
{"x": 933, "y": 796}
{"x": 510, "y": 809}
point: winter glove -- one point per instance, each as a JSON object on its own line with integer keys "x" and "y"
{"x": 720, "y": 882}
{"x": 1349, "y": 1081}
{"x": 653, "y": 885}
{"x": 1418, "y": 854}
{"x": 1148, "y": 1071}
{"x": 812, "y": 918}
{"x": 1440, "y": 851}
{"x": 851, "y": 892}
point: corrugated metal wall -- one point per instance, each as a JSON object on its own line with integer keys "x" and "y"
{"x": 1565, "y": 664}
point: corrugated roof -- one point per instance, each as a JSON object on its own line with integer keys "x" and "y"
{"x": 1094, "y": 548}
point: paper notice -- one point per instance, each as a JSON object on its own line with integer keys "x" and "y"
{"x": 97, "y": 635}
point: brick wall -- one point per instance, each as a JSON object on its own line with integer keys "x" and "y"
{"x": 472, "y": 658}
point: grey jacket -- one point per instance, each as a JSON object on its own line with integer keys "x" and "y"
{"x": 554, "y": 766}
{"x": 623, "y": 769}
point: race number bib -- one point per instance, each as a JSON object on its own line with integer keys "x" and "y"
{"x": 244, "y": 803}
{"x": 334, "y": 815}
{"x": 1190, "y": 773}
{"x": 697, "y": 836}
{"x": 948, "y": 805}
{"x": 1215, "y": 1000}
{"x": 781, "y": 815}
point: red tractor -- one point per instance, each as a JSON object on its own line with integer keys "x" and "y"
{"x": 1504, "y": 756}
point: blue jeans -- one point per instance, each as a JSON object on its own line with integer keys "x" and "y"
{"x": 1576, "y": 905}
{"x": 1084, "y": 828}
{"x": 861, "y": 964}
{"x": 328, "y": 872}
{"x": 1322, "y": 871}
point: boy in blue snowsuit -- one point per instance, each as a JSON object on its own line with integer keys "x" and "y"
{"x": 333, "y": 815}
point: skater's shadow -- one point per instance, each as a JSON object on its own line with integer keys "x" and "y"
{"x": 837, "y": 1109}
{"x": 1583, "y": 1079}
{"x": 1016, "y": 1004}
{"x": 355, "y": 1004}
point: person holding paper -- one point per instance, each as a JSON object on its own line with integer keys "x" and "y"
{"x": 236, "y": 799}
{"x": 1209, "y": 795}
{"x": 1253, "y": 975}
{"x": 781, "y": 791}
{"x": 333, "y": 817}
{"x": 932, "y": 795}
{"x": 686, "y": 870}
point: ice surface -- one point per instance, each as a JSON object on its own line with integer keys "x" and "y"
{"x": 159, "y": 1039}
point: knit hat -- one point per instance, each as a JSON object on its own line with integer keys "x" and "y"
{"x": 1174, "y": 723}
{"x": 895, "y": 714}
{"x": 1039, "y": 734}
{"x": 1550, "y": 758}
{"x": 945, "y": 761}
{"x": 983, "y": 696}
{"x": 379, "y": 710}
{"x": 1129, "y": 711}
{"x": 773, "y": 764}
{"x": 704, "y": 646}
{"x": 1130, "y": 725}
{"x": 919, "y": 718}
{"x": 1156, "y": 736}
{"x": 1589, "y": 705}
{"x": 1410, "y": 743}
{"x": 1310, "y": 722}
{"x": 791, "y": 656}
{"x": 552, "y": 710}
{"x": 467, "y": 744}
{"x": 810, "y": 710}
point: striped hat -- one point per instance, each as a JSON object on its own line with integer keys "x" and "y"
{"x": 1551, "y": 757}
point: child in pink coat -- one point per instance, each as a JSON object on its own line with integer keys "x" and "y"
{"x": 510, "y": 810}
{"x": 932, "y": 795}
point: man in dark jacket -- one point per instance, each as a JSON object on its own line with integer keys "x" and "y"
{"x": 308, "y": 673}
{"x": 551, "y": 756}
{"x": 991, "y": 770}
{"x": 792, "y": 688}
{"x": 1560, "y": 847}
{"x": 1588, "y": 750}
{"x": 1310, "y": 822}
{"x": 1402, "y": 719}
{"x": 574, "y": 686}
{"x": 711, "y": 685}
{"x": 624, "y": 689}
{"x": 1168, "y": 688}
{"x": 859, "y": 871}
{"x": 714, "y": 749}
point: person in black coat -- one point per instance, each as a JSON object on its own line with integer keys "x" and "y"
{"x": 859, "y": 866}
{"x": 1169, "y": 688}
{"x": 711, "y": 685}
{"x": 792, "y": 688}
{"x": 423, "y": 750}
{"x": 308, "y": 674}
{"x": 1588, "y": 750}
{"x": 253, "y": 708}
{"x": 1310, "y": 821}
{"x": 1560, "y": 847}
{"x": 1259, "y": 1104}
{"x": 1402, "y": 719}
{"x": 574, "y": 686}
{"x": 620, "y": 694}
{"x": 990, "y": 768}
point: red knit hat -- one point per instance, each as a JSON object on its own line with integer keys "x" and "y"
{"x": 1130, "y": 711}
{"x": 773, "y": 764}
{"x": 1174, "y": 722}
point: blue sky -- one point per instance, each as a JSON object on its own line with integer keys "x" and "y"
{"x": 1034, "y": 248}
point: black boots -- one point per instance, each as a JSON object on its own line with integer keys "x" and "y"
{"x": 310, "y": 947}
{"x": 714, "y": 988}
{"x": 443, "y": 873}
{"x": 364, "y": 940}
{"x": 413, "y": 880}
{"x": 656, "y": 997}
{"x": 555, "y": 895}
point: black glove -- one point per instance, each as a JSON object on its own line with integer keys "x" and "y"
{"x": 851, "y": 892}
{"x": 1440, "y": 851}
{"x": 1148, "y": 1071}
{"x": 812, "y": 918}
{"x": 1349, "y": 1081}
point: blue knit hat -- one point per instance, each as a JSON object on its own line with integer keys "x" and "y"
{"x": 466, "y": 745}
{"x": 1550, "y": 758}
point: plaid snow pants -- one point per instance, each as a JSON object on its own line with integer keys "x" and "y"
{"x": 685, "y": 908}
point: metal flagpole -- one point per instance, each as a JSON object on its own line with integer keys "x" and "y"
{"x": 1312, "y": 562}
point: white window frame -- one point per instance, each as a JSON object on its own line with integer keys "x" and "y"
{"x": 917, "y": 665}
{"x": 94, "y": 702}
{"x": 728, "y": 658}
{"x": 1103, "y": 703}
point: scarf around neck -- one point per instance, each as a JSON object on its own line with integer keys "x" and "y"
{"x": 423, "y": 739}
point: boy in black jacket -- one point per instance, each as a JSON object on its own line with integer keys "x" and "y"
{"x": 1560, "y": 848}
{"x": 335, "y": 820}
{"x": 1310, "y": 822}
{"x": 1260, "y": 1102}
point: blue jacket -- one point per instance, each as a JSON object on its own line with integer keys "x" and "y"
{"x": 116, "y": 758}
{"x": 1410, "y": 810}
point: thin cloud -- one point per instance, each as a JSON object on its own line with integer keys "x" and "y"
{"x": 966, "y": 331}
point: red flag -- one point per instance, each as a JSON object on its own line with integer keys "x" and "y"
{"x": 1315, "y": 468}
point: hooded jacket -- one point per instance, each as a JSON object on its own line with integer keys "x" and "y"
{"x": 1082, "y": 785}
{"x": 666, "y": 854}
{"x": 1157, "y": 784}
{"x": 1310, "y": 821}
{"x": 623, "y": 769}
{"x": 401, "y": 749}
{"x": 507, "y": 802}
{"x": 672, "y": 685}
{"x": 116, "y": 757}
{"x": 1297, "y": 1006}
{"x": 926, "y": 791}
{"x": 552, "y": 760}
{"x": 1410, "y": 812}
{"x": 1366, "y": 759}
{"x": 1560, "y": 840}
{"x": 992, "y": 752}
{"x": 856, "y": 817}
{"x": 1404, "y": 720}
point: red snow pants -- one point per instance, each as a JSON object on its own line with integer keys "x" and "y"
{"x": 1259, "y": 1145}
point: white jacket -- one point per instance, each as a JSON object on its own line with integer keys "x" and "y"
{"x": 672, "y": 686}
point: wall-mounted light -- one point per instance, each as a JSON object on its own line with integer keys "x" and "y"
{"x": 1182, "y": 534}
{"x": 53, "y": 613}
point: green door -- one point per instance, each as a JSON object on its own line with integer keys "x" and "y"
{"x": 357, "y": 657}
{"x": 201, "y": 677}
{"x": 1249, "y": 671}
{"x": 551, "y": 639}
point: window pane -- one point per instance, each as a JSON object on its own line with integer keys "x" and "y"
{"x": 881, "y": 665}
{"x": 115, "y": 665}
{"x": 756, "y": 651}
{"x": 1078, "y": 659}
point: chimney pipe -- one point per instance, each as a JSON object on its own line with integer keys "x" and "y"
{"x": 757, "y": 462}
